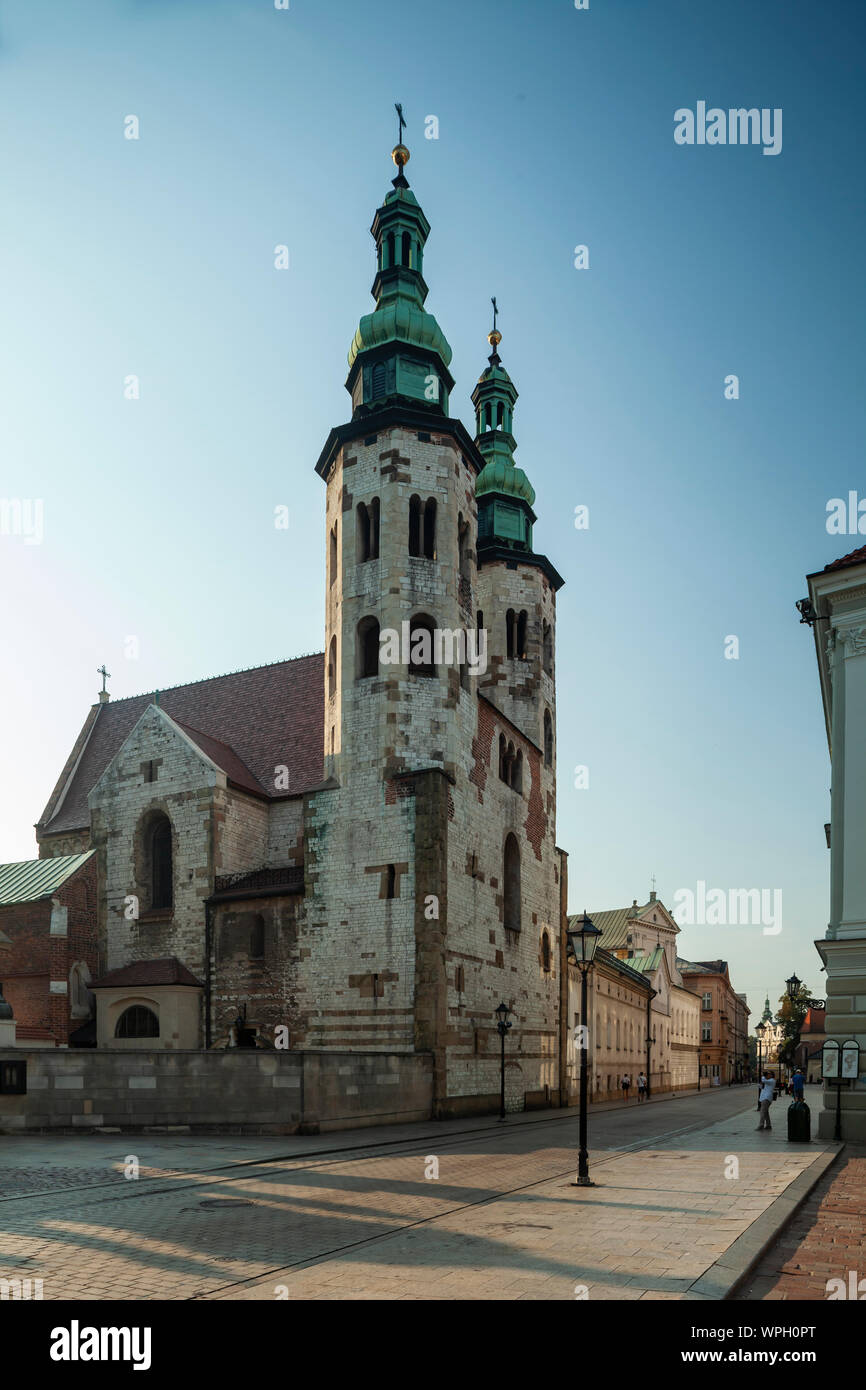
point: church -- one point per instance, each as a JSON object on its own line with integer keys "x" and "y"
{"x": 356, "y": 850}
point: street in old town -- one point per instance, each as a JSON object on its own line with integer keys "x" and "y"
{"x": 687, "y": 1194}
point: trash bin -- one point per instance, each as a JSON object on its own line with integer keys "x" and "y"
{"x": 799, "y": 1123}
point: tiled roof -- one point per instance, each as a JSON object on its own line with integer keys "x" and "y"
{"x": 617, "y": 923}
{"x": 856, "y": 557}
{"x": 702, "y": 967}
{"x": 33, "y": 879}
{"x": 167, "y": 971}
{"x": 263, "y": 718}
{"x": 226, "y": 758}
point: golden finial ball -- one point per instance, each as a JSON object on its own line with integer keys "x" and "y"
{"x": 400, "y": 155}
{"x": 494, "y": 338}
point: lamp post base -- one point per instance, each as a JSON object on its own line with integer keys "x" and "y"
{"x": 583, "y": 1182}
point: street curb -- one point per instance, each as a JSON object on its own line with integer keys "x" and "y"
{"x": 723, "y": 1278}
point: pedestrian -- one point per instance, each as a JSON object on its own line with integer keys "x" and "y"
{"x": 797, "y": 1085}
{"x": 626, "y": 1082}
{"x": 641, "y": 1087}
{"x": 765, "y": 1096}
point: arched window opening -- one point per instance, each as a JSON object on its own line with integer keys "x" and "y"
{"x": 373, "y": 511}
{"x": 332, "y": 668}
{"x": 499, "y": 409}
{"x": 618, "y": 1048}
{"x": 332, "y": 556}
{"x": 487, "y": 416}
{"x": 161, "y": 876}
{"x": 548, "y": 739}
{"x": 547, "y": 649}
{"x": 520, "y": 650}
{"x": 414, "y": 525}
{"x": 422, "y": 660}
{"x": 367, "y": 648}
{"x": 545, "y": 953}
{"x": 503, "y": 750}
{"x": 517, "y": 771}
{"x": 479, "y": 620}
{"x": 378, "y": 382}
{"x": 463, "y": 548}
{"x": 510, "y": 632}
{"x": 511, "y": 881}
{"x": 407, "y": 249}
{"x": 362, "y": 533}
{"x": 137, "y": 1022}
{"x": 257, "y": 938}
{"x": 390, "y": 243}
{"x": 430, "y": 529}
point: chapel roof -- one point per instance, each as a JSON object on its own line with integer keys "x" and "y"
{"x": 32, "y": 879}
{"x": 248, "y": 722}
{"x": 166, "y": 971}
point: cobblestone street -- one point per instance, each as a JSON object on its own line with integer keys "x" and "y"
{"x": 363, "y": 1215}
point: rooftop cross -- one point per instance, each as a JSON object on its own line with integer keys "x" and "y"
{"x": 495, "y": 312}
{"x": 398, "y": 107}
{"x": 101, "y": 671}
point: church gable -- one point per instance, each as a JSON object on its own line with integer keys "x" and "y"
{"x": 159, "y": 756}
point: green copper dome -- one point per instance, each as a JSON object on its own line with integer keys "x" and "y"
{"x": 498, "y": 476}
{"x": 399, "y": 320}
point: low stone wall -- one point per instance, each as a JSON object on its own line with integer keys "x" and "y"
{"x": 239, "y": 1090}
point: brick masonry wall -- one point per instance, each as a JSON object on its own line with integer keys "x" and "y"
{"x": 238, "y": 1090}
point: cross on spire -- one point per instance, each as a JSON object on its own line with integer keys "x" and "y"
{"x": 101, "y": 671}
{"x": 398, "y": 107}
{"x": 495, "y": 312}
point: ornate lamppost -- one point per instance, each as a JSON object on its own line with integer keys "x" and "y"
{"x": 759, "y": 1034}
{"x": 502, "y": 1026}
{"x": 583, "y": 939}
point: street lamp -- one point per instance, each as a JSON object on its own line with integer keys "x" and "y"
{"x": 793, "y": 986}
{"x": 759, "y": 1034}
{"x": 583, "y": 939}
{"x": 503, "y": 1026}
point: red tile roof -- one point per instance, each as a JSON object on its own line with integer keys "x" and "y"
{"x": 856, "y": 557}
{"x": 167, "y": 971}
{"x": 249, "y": 722}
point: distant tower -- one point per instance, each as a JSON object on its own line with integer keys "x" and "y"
{"x": 516, "y": 587}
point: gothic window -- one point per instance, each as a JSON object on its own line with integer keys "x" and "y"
{"x": 390, "y": 244}
{"x": 479, "y": 620}
{"x": 511, "y": 882}
{"x": 367, "y": 531}
{"x": 503, "y": 773}
{"x": 160, "y": 863}
{"x": 516, "y": 770}
{"x": 415, "y": 525}
{"x": 421, "y": 646}
{"x": 407, "y": 249}
{"x": 137, "y": 1022}
{"x": 547, "y": 648}
{"x": 367, "y": 663}
{"x": 378, "y": 382}
{"x": 463, "y": 549}
{"x": 545, "y": 952}
{"x": 510, "y": 632}
{"x": 548, "y": 739}
{"x": 332, "y": 558}
{"x": 521, "y": 635}
{"x": 257, "y": 938}
{"x": 430, "y": 529}
{"x": 332, "y": 668}
{"x": 499, "y": 410}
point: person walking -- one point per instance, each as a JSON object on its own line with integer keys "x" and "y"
{"x": 641, "y": 1087}
{"x": 797, "y": 1085}
{"x": 765, "y": 1097}
{"x": 626, "y": 1082}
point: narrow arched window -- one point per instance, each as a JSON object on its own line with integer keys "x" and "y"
{"x": 257, "y": 938}
{"x": 407, "y": 249}
{"x": 499, "y": 409}
{"x": 373, "y": 512}
{"x": 161, "y": 876}
{"x": 510, "y": 632}
{"x": 414, "y": 525}
{"x": 463, "y": 549}
{"x": 479, "y": 620}
{"x": 502, "y": 756}
{"x": 548, "y": 739}
{"x": 545, "y": 953}
{"x": 521, "y": 635}
{"x": 332, "y": 668}
{"x": 367, "y": 661}
{"x": 430, "y": 529}
{"x": 362, "y": 533}
{"x": 511, "y": 882}
{"x": 517, "y": 772}
{"x": 547, "y": 648}
{"x": 422, "y": 660}
{"x": 137, "y": 1022}
{"x": 332, "y": 556}
{"x": 390, "y": 244}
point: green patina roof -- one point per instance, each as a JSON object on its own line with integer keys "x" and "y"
{"x": 498, "y": 476}
{"x": 400, "y": 320}
{"x": 33, "y": 879}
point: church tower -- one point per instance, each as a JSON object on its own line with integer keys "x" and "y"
{"x": 516, "y": 587}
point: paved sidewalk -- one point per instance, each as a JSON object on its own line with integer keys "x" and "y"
{"x": 658, "y": 1220}
{"x": 826, "y": 1239}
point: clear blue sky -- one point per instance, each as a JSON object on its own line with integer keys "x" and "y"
{"x": 260, "y": 127}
